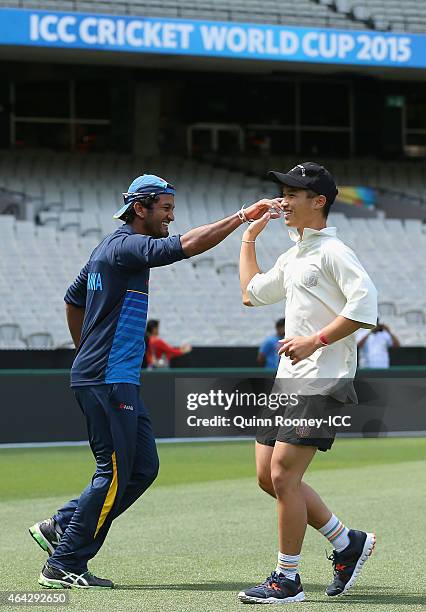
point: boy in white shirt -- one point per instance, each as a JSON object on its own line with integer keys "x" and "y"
{"x": 328, "y": 297}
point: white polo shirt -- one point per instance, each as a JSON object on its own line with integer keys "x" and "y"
{"x": 375, "y": 351}
{"x": 320, "y": 278}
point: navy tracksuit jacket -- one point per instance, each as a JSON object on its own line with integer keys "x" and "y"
{"x": 113, "y": 289}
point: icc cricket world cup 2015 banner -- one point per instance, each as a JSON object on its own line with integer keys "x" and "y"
{"x": 210, "y": 39}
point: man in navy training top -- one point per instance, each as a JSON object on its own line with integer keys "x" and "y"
{"x": 268, "y": 356}
{"x": 106, "y": 310}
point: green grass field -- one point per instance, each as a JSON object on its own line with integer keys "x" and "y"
{"x": 204, "y": 529}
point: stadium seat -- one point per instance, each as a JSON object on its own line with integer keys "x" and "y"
{"x": 228, "y": 268}
{"x": 69, "y": 221}
{"x": 386, "y": 309}
{"x": 7, "y": 224}
{"x": 49, "y": 217}
{"x": 9, "y": 332}
{"x": 414, "y": 317}
{"x": 89, "y": 224}
{"x": 204, "y": 261}
{"x": 39, "y": 340}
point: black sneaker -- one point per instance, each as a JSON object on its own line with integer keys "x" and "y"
{"x": 54, "y": 578}
{"x": 47, "y": 534}
{"x": 348, "y": 563}
{"x": 277, "y": 589}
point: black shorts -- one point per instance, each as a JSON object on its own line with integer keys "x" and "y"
{"x": 322, "y": 444}
{"x": 307, "y": 423}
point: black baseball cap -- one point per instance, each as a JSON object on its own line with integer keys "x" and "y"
{"x": 308, "y": 175}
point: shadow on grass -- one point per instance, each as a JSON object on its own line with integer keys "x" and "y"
{"x": 365, "y": 594}
{"x": 198, "y": 586}
{"x": 372, "y": 595}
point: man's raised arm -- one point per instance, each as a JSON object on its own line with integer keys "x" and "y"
{"x": 205, "y": 237}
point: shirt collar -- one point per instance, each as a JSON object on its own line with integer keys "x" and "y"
{"x": 309, "y": 233}
{"x": 126, "y": 228}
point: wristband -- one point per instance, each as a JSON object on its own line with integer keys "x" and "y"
{"x": 323, "y": 339}
{"x": 249, "y": 241}
{"x": 242, "y": 216}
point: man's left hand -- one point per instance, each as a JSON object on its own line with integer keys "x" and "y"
{"x": 299, "y": 347}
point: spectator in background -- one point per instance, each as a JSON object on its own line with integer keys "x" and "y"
{"x": 374, "y": 344}
{"x": 158, "y": 352}
{"x": 267, "y": 356}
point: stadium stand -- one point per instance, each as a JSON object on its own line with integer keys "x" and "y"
{"x": 384, "y": 14}
{"x": 303, "y": 12}
{"x": 405, "y": 178}
{"x": 354, "y": 14}
{"x": 77, "y": 195}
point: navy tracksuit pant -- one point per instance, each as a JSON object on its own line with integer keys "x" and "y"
{"x": 122, "y": 442}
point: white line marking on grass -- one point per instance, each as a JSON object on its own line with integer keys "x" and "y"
{"x": 158, "y": 440}
{"x": 388, "y": 434}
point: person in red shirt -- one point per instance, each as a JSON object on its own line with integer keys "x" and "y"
{"x": 158, "y": 352}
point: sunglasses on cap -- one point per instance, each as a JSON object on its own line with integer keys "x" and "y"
{"x": 162, "y": 188}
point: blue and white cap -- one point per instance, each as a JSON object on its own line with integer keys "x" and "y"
{"x": 144, "y": 185}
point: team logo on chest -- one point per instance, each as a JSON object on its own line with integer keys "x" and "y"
{"x": 310, "y": 277}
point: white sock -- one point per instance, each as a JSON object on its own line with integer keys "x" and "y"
{"x": 288, "y": 565}
{"x": 336, "y": 533}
